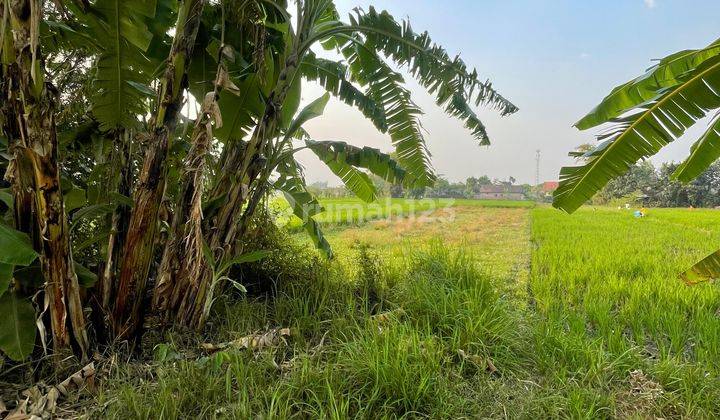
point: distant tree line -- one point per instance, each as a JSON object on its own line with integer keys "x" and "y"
{"x": 443, "y": 188}
{"x": 650, "y": 186}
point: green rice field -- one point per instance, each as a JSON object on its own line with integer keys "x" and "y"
{"x": 471, "y": 310}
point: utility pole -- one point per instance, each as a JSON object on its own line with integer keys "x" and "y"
{"x": 537, "y": 167}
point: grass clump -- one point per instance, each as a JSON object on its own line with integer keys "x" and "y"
{"x": 382, "y": 344}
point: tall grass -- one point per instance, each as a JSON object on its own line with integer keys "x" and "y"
{"x": 604, "y": 329}
{"x": 385, "y": 347}
{"x": 606, "y": 287}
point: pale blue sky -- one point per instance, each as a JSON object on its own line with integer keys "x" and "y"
{"x": 555, "y": 59}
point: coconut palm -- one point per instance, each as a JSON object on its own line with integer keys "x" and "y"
{"x": 644, "y": 115}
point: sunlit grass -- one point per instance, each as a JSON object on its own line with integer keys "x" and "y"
{"x": 343, "y": 212}
{"x": 483, "y": 312}
{"x": 606, "y": 288}
{"x": 342, "y": 361}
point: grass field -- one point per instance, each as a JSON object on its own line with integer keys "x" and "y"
{"x": 343, "y": 212}
{"x": 605, "y": 289}
{"x": 472, "y": 309}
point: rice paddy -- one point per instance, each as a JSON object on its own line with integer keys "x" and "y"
{"x": 470, "y": 309}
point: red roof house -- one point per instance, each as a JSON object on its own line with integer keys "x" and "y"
{"x": 550, "y": 186}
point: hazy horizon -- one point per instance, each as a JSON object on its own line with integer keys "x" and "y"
{"x": 555, "y": 60}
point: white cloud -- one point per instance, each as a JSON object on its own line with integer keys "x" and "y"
{"x": 584, "y": 55}
{"x": 649, "y": 3}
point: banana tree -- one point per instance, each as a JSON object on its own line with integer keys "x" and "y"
{"x": 140, "y": 181}
{"x": 138, "y": 252}
{"x": 34, "y": 166}
{"x": 265, "y": 162}
{"x": 643, "y": 116}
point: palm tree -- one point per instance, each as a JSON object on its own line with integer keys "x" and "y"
{"x": 139, "y": 162}
{"x": 643, "y": 116}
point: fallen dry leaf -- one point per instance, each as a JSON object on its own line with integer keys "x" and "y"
{"x": 641, "y": 399}
{"x": 479, "y": 361}
{"x": 82, "y": 379}
{"x": 272, "y": 338}
{"x": 40, "y": 405}
{"x": 385, "y": 317}
{"x": 644, "y": 386}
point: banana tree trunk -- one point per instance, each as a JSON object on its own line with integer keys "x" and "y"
{"x": 120, "y": 219}
{"x": 139, "y": 242}
{"x": 183, "y": 252}
{"x": 246, "y": 162}
{"x": 118, "y": 222}
{"x": 19, "y": 172}
{"x": 34, "y": 101}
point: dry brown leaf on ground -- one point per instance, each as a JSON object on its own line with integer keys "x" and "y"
{"x": 84, "y": 379}
{"x": 645, "y": 387}
{"x": 284, "y": 366}
{"x": 480, "y": 361}
{"x": 40, "y": 401}
{"x": 641, "y": 399}
{"x": 20, "y": 413}
{"x": 395, "y": 314}
{"x": 272, "y": 338}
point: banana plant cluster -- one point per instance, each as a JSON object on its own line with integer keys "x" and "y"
{"x": 139, "y": 137}
{"x": 641, "y": 117}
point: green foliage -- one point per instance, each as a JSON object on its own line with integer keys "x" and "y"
{"x": 86, "y": 278}
{"x": 566, "y": 322}
{"x": 356, "y": 370}
{"x": 605, "y": 286}
{"x": 318, "y": 238}
{"x": 639, "y": 180}
{"x": 334, "y": 76}
{"x": 385, "y": 87}
{"x": 106, "y": 61}
{"x": 356, "y": 181}
{"x": 17, "y": 326}
{"x": 702, "y": 154}
{"x": 453, "y": 84}
{"x": 220, "y": 268}
{"x": 445, "y": 189}
{"x": 313, "y": 110}
{"x": 7, "y": 198}
{"x": 646, "y": 114}
{"x": 6, "y": 276}
{"x": 343, "y": 160}
{"x": 668, "y": 73}
{"x": 238, "y": 111}
{"x": 15, "y": 247}
{"x": 646, "y": 185}
{"x": 128, "y": 42}
{"x": 123, "y": 68}
{"x": 377, "y": 163}
{"x": 304, "y": 206}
